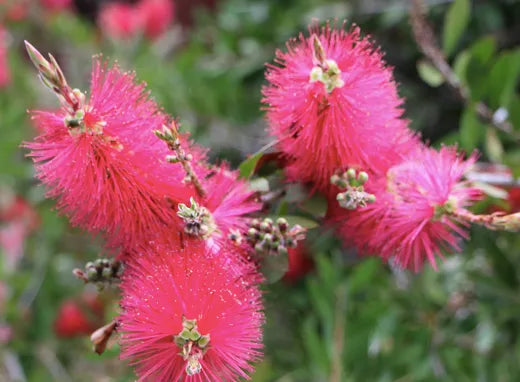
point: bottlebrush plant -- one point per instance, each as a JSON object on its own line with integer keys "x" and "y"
{"x": 193, "y": 241}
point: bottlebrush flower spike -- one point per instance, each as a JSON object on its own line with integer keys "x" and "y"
{"x": 101, "y": 158}
{"x": 224, "y": 208}
{"x": 333, "y": 104}
{"x": 413, "y": 219}
{"x": 188, "y": 316}
{"x": 230, "y": 200}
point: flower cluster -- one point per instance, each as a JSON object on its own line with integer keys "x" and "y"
{"x": 119, "y": 166}
{"x": 332, "y": 104}
{"x": 189, "y": 249}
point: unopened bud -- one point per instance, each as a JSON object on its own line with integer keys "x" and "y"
{"x": 362, "y": 177}
{"x": 92, "y": 273}
{"x": 106, "y": 273}
{"x": 282, "y": 224}
{"x": 265, "y": 227}
{"x": 172, "y": 159}
{"x": 101, "y": 336}
{"x": 351, "y": 174}
{"x": 80, "y": 275}
{"x": 334, "y": 179}
{"x": 203, "y": 341}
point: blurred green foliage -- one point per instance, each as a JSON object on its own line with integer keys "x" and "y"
{"x": 351, "y": 319}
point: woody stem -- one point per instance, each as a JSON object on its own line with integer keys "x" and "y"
{"x": 495, "y": 221}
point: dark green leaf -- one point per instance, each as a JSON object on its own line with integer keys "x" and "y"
{"x": 274, "y": 267}
{"x": 247, "y": 167}
{"x": 455, "y": 23}
{"x": 303, "y": 221}
{"x": 471, "y": 129}
{"x": 494, "y": 147}
{"x": 317, "y": 206}
{"x": 503, "y": 78}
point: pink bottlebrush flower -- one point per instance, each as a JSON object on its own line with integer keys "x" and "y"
{"x": 188, "y": 316}
{"x": 107, "y": 167}
{"x": 411, "y": 220}
{"x": 56, "y": 5}
{"x": 156, "y": 16}
{"x": 5, "y": 72}
{"x": 220, "y": 208}
{"x": 120, "y": 20}
{"x": 332, "y": 103}
{"x": 229, "y": 200}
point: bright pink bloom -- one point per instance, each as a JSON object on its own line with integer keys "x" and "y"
{"x": 5, "y": 72}
{"x": 120, "y": 20}
{"x": 56, "y": 5}
{"x": 161, "y": 289}
{"x": 110, "y": 174}
{"x": 229, "y": 200}
{"x": 341, "y": 112}
{"x": 410, "y": 220}
{"x": 156, "y": 16}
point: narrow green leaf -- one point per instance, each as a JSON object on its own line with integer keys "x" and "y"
{"x": 274, "y": 267}
{"x": 493, "y": 146}
{"x": 502, "y": 79}
{"x": 483, "y": 49}
{"x": 471, "y": 129}
{"x": 460, "y": 66}
{"x": 303, "y": 221}
{"x": 455, "y": 23}
{"x": 429, "y": 74}
{"x": 317, "y": 206}
{"x": 247, "y": 167}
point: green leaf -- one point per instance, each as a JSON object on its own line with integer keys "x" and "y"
{"x": 455, "y": 23}
{"x": 274, "y": 267}
{"x": 503, "y": 79}
{"x": 316, "y": 206}
{"x": 483, "y": 49}
{"x": 429, "y": 74}
{"x": 493, "y": 146}
{"x": 471, "y": 129}
{"x": 460, "y": 66}
{"x": 247, "y": 167}
{"x": 303, "y": 221}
